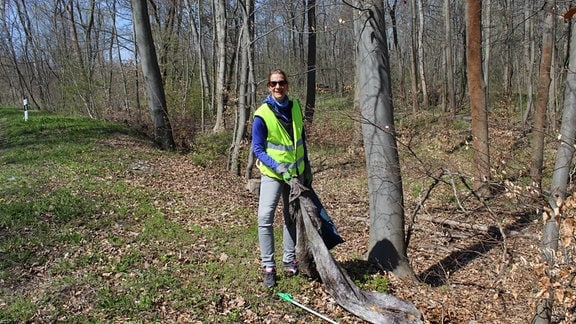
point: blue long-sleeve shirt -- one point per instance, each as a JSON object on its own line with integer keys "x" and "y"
{"x": 260, "y": 133}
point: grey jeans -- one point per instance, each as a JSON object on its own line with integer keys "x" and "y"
{"x": 270, "y": 192}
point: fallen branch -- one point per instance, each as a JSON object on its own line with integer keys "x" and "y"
{"x": 478, "y": 227}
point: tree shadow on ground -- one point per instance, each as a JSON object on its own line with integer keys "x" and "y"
{"x": 360, "y": 271}
{"x": 437, "y": 274}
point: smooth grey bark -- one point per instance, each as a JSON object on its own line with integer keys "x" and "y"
{"x": 386, "y": 238}
{"x": 220, "y": 91}
{"x": 152, "y": 78}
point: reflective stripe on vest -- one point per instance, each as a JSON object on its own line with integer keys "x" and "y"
{"x": 279, "y": 145}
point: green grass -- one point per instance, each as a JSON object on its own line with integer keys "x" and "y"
{"x": 79, "y": 243}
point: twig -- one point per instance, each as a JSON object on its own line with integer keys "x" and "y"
{"x": 410, "y": 229}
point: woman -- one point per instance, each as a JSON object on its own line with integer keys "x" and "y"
{"x": 279, "y": 144}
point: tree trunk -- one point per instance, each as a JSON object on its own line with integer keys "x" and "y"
{"x": 243, "y": 99}
{"x": 529, "y": 59}
{"x": 487, "y": 45}
{"x": 507, "y": 70}
{"x": 448, "y": 52}
{"x": 413, "y": 61}
{"x": 542, "y": 99}
{"x": 560, "y": 177}
{"x": 477, "y": 95}
{"x": 387, "y": 239}
{"x": 153, "y": 80}
{"x": 220, "y": 90}
{"x": 422, "y": 70}
{"x": 203, "y": 77}
{"x": 311, "y": 70}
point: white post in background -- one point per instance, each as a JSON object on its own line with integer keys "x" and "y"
{"x": 25, "y": 109}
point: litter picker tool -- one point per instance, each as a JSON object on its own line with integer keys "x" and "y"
{"x": 287, "y": 297}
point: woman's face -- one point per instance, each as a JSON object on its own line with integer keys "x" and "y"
{"x": 278, "y": 87}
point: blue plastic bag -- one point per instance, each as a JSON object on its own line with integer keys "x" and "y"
{"x": 328, "y": 230}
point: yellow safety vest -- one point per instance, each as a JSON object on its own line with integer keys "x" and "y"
{"x": 279, "y": 145}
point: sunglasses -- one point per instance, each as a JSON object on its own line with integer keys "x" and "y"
{"x": 274, "y": 83}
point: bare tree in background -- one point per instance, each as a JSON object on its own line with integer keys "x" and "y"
{"x": 244, "y": 98}
{"x": 413, "y": 57}
{"x": 311, "y": 62}
{"x": 421, "y": 65}
{"x": 478, "y": 108}
{"x": 529, "y": 52}
{"x": 449, "y": 101}
{"x": 220, "y": 88}
{"x": 203, "y": 77}
{"x": 542, "y": 98}
{"x": 153, "y": 80}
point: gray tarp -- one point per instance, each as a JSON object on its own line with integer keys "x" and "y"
{"x": 315, "y": 261}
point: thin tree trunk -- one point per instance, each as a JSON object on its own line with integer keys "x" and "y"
{"x": 529, "y": 57}
{"x": 413, "y": 60}
{"x": 487, "y": 45}
{"x": 422, "y": 70}
{"x": 448, "y": 52}
{"x": 477, "y": 95}
{"x": 203, "y": 77}
{"x": 311, "y": 70}
{"x": 507, "y": 70}
{"x": 220, "y": 91}
{"x": 542, "y": 99}
{"x": 243, "y": 99}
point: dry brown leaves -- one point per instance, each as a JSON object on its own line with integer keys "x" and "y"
{"x": 466, "y": 275}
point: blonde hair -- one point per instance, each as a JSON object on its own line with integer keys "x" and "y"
{"x": 278, "y": 71}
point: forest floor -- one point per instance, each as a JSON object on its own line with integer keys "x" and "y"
{"x": 477, "y": 260}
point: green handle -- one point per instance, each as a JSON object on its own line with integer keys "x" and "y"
{"x": 286, "y": 296}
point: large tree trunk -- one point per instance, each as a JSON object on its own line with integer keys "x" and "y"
{"x": 542, "y": 98}
{"x": 477, "y": 95}
{"x": 387, "y": 239}
{"x": 153, "y": 80}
